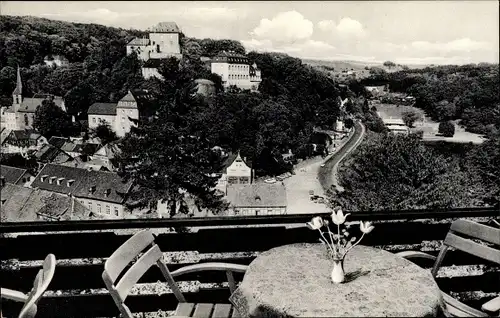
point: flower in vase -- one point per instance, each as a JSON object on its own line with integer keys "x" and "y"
{"x": 316, "y": 223}
{"x": 339, "y": 217}
{"x": 366, "y": 227}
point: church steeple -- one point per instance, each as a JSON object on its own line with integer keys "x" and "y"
{"x": 17, "y": 94}
{"x": 19, "y": 84}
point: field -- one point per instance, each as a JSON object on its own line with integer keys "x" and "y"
{"x": 428, "y": 126}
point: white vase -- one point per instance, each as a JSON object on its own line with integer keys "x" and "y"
{"x": 338, "y": 275}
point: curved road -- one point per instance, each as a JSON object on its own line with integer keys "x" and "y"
{"x": 327, "y": 175}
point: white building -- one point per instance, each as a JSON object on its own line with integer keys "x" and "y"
{"x": 57, "y": 60}
{"x": 163, "y": 42}
{"x": 235, "y": 171}
{"x": 235, "y": 69}
{"x": 21, "y": 114}
{"x": 119, "y": 115}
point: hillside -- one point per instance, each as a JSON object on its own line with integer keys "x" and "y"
{"x": 27, "y": 40}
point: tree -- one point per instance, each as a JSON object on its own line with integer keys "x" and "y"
{"x": 389, "y": 64}
{"x": 446, "y": 128}
{"x": 410, "y": 117}
{"x": 169, "y": 157}
{"x": 105, "y": 133}
{"x": 401, "y": 172}
{"x": 349, "y": 123}
{"x": 50, "y": 120}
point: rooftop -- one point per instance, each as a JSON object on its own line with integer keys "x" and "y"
{"x": 257, "y": 195}
{"x": 231, "y": 58}
{"x": 99, "y": 185}
{"x": 165, "y": 27}
{"x": 102, "y": 109}
{"x": 138, "y": 42}
{"x": 11, "y": 174}
{"x": 27, "y": 204}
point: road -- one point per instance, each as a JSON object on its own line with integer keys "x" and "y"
{"x": 307, "y": 178}
{"x": 327, "y": 174}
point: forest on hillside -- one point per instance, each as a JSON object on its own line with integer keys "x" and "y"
{"x": 469, "y": 93}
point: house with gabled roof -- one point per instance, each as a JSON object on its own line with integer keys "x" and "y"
{"x": 235, "y": 170}
{"x": 120, "y": 116}
{"x": 103, "y": 193}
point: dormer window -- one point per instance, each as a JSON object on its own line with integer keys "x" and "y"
{"x": 107, "y": 192}
{"x": 51, "y": 180}
{"x": 257, "y": 198}
{"x": 70, "y": 182}
{"x": 59, "y": 181}
{"x": 42, "y": 178}
{"x": 92, "y": 189}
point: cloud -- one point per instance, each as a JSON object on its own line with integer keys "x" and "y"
{"x": 287, "y": 26}
{"x": 347, "y": 27}
{"x": 326, "y": 25}
{"x": 460, "y": 45}
{"x": 306, "y": 49}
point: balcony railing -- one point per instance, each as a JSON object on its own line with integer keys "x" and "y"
{"x": 77, "y": 289}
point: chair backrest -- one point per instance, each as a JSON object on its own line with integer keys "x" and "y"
{"x": 119, "y": 287}
{"x": 461, "y": 236}
{"x": 42, "y": 281}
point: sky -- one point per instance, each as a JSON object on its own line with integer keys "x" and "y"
{"x": 405, "y": 32}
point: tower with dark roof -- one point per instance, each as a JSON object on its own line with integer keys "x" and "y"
{"x": 17, "y": 94}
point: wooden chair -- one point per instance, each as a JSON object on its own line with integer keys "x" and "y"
{"x": 144, "y": 240}
{"x": 42, "y": 281}
{"x": 460, "y": 237}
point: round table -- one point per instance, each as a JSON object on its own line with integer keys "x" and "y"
{"x": 294, "y": 281}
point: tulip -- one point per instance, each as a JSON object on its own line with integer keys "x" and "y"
{"x": 366, "y": 227}
{"x": 339, "y": 217}
{"x": 315, "y": 224}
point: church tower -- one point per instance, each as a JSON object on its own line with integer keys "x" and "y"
{"x": 17, "y": 94}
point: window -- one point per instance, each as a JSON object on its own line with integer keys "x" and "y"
{"x": 108, "y": 209}
{"x": 269, "y": 211}
{"x": 26, "y": 120}
{"x": 90, "y": 205}
{"x": 94, "y": 120}
{"x": 116, "y": 211}
{"x": 98, "y": 208}
{"x": 257, "y": 212}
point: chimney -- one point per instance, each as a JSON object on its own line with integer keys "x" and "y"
{"x": 42, "y": 178}
{"x": 51, "y": 180}
{"x": 59, "y": 181}
{"x": 70, "y": 182}
{"x": 92, "y": 189}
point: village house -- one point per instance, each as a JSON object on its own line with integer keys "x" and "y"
{"x": 21, "y": 114}
{"x": 56, "y": 60}
{"x": 236, "y": 170}
{"x": 50, "y": 154}
{"x": 105, "y": 156}
{"x": 22, "y": 204}
{"x": 396, "y": 126}
{"x": 163, "y": 42}
{"x": 75, "y": 148}
{"x": 14, "y": 175}
{"x": 235, "y": 69}
{"x": 21, "y": 141}
{"x": 257, "y": 199}
{"x": 103, "y": 193}
{"x": 119, "y": 116}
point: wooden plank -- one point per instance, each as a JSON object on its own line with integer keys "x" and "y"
{"x": 185, "y": 309}
{"x": 203, "y": 310}
{"x": 469, "y": 246}
{"x": 128, "y": 251}
{"x": 132, "y": 276}
{"x": 222, "y": 311}
{"x": 477, "y": 230}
